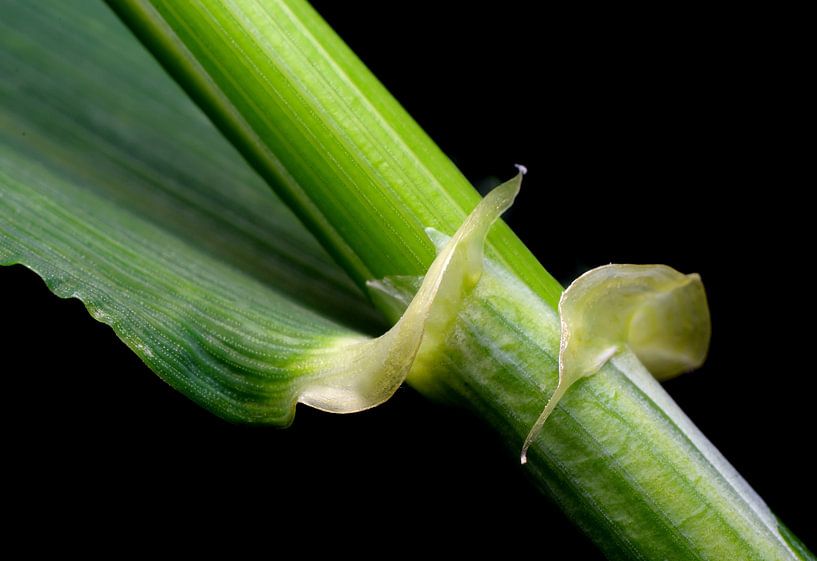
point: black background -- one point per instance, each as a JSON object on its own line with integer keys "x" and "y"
{"x": 650, "y": 137}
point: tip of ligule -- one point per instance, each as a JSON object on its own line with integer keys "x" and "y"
{"x": 501, "y": 198}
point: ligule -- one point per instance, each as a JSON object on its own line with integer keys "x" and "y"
{"x": 364, "y": 374}
{"x": 659, "y": 314}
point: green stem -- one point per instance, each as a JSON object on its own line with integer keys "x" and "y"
{"x": 617, "y": 454}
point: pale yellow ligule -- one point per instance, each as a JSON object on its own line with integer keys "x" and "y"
{"x": 659, "y": 314}
{"x": 360, "y": 374}
{"x": 656, "y": 312}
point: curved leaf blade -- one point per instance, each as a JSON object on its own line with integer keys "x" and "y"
{"x": 117, "y": 191}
